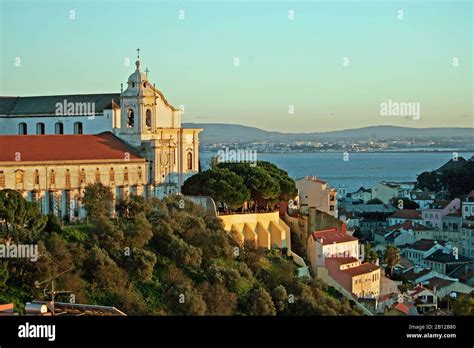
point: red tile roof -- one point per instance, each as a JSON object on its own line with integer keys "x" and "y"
{"x": 407, "y": 225}
{"x": 361, "y": 269}
{"x": 438, "y": 283}
{"x": 47, "y": 148}
{"x": 333, "y": 235}
{"x": 342, "y": 260}
{"x": 401, "y": 307}
{"x": 407, "y": 214}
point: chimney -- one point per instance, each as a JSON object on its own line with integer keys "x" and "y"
{"x": 417, "y": 269}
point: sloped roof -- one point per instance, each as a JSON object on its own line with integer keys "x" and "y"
{"x": 332, "y": 235}
{"x": 444, "y": 257}
{"x": 47, "y": 148}
{"x": 46, "y": 105}
{"x": 407, "y": 214}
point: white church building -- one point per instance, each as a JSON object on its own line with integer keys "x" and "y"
{"x": 53, "y": 146}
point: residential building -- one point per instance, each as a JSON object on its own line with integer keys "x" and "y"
{"x": 423, "y": 198}
{"x": 402, "y": 215}
{"x": 468, "y": 236}
{"x": 421, "y": 249}
{"x": 405, "y": 233}
{"x": 360, "y": 279}
{"x": 446, "y": 261}
{"x": 424, "y": 299}
{"x": 362, "y": 194}
{"x": 446, "y": 287}
{"x": 433, "y": 216}
{"x": 386, "y": 191}
{"x": 467, "y": 206}
{"x": 314, "y": 192}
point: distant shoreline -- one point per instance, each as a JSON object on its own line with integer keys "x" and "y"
{"x": 389, "y": 151}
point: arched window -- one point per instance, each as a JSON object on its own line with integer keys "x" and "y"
{"x": 111, "y": 175}
{"x": 190, "y": 160}
{"x": 67, "y": 179}
{"x": 40, "y": 129}
{"x": 22, "y": 129}
{"x": 148, "y": 119}
{"x": 2, "y": 179}
{"x": 78, "y": 128}
{"x": 19, "y": 177}
{"x": 130, "y": 118}
{"x": 97, "y": 175}
{"x": 82, "y": 176}
{"x": 52, "y": 177}
{"x": 59, "y": 128}
{"x": 125, "y": 175}
{"x": 139, "y": 173}
{"x": 37, "y": 177}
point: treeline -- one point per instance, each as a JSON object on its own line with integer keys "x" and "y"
{"x": 457, "y": 180}
{"x": 158, "y": 257}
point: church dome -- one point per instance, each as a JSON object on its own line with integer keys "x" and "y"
{"x": 137, "y": 76}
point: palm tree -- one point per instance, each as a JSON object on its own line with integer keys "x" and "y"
{"x": 391, "y": 257}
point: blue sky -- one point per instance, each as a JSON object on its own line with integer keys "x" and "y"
{"x": 283, "y": 62}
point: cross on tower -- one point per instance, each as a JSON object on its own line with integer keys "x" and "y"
{"x": 138, "y": 53}
{"x": 147, "y": 71}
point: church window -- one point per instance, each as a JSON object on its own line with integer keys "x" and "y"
{"x": 190, "y": 160}
{"x": 2, "y": 179}
{"x": 82, "y": 177}
{"x": 125, "y": 175}
{"x": 59, "y": 128}
{"x": 139, "y": 173}
{"x": 40, "y": 128}
{"x": 68, "y": 179}
{"x": 97, "y": 175}
{"x": 19, "y": 177}
{"x": 111, "y": 175}
{"x": 22, "y": 129}
{"x": 78, "y": 128}
{"x": 130, "y": 118}
{"x": 52, "y": 177}
{"x": 148, "y": 118}
{"x": 133, "y": 84}
{"x": 37, "y": 177}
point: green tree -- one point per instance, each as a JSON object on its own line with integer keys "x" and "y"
{"x": 260, "y": 303}
{"x": 370, "y": 255}
{"x": 391, "y": 257}
{"x": 464, "y": 305}
{"x": 220, "y": 184}
{"x": 98, "y": 200}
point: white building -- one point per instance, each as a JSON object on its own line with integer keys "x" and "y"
{"x": 316, "y": 193}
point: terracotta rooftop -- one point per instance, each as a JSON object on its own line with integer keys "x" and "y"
{"x": 401, "y": 307}
{"x": 47, "y": 148}
{"x": 407, "y": 214}
{"x": 361, "y": 269}
{"x": 407, "y": 225}
{"x": 425, "y": 244}
{"x": 332, "y": 235}
{"x": 447, "y": 257}
{"x": 342, "y": 260}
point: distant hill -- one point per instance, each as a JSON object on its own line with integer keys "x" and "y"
{"x": 222, "y": 132}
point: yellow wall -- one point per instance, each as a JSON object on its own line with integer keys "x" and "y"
{"x": 265, "y": 229}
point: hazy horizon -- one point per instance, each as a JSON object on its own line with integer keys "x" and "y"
{"x": 313, "y": 66}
